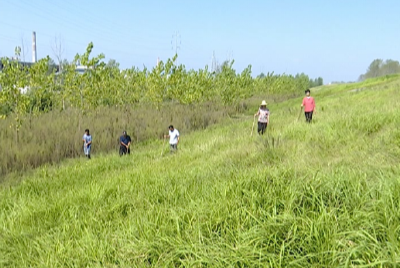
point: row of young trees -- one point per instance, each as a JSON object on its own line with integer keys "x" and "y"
{"x": 38, "y": 89}
{"x": 311, "y": 82}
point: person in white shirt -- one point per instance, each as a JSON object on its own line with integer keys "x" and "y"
{"x": 263, "y": 117}
{"x": 87, "y": 143}
{"x": 173, "y": 136}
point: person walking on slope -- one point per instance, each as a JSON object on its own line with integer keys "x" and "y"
{"x": 173, "y": 136}
{"x": 309, "y": 106}
{"x": 87, "y": 143}
{"x": 125, "y": 143}
{"x": 263, "y": 117}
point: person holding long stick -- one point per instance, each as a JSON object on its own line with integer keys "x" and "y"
{"x": 263, "y": 117}
{"x": 309, "y": 106}
{"x": 252, "y": 127}
{"x": 162, "y": 149}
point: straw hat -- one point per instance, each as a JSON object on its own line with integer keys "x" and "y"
{"x": 263, "y": 103}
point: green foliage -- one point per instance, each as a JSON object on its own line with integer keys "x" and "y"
{"x": 303, "y": 195}
{"x": 14, "y": 80}
{"x": 57, "y": 95}
{"x": 378, "y": 67}
{"x": 41, "y": 87}
{"x": 54, "y": 136}
{"x": 103, "y": 84}
{"x": 316, "y": 82}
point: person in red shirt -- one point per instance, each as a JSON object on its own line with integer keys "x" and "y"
{"x": 308, "y": 105}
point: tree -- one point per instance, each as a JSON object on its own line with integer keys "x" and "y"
{"x": 374, "y": 69}
{"x": 390, "y": 67}
{"x": 64, "y": 63}
{"x": 112, "y": 64}
{"x": 220, "y": 67}
{"x": 261, "y": 75}
{"x": 316, "y": 82}
{"x": 58, "y": 50}
{"x": 378, "y": 67}
{"x": 14, "y": 80}
{"x": 41, "y": 84}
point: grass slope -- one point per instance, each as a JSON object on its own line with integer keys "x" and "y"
{"x": 326, "y": 194}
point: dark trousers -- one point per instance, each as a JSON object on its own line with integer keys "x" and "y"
{"x": 173, "y": 147}
{"x": 123, "y": 150}
{"x": 262, "y": 127}
{"x": 308, "y": 116}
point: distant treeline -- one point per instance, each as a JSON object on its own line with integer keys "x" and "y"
{"x": 311, "y": 82}
{"x": 378, "y": 67}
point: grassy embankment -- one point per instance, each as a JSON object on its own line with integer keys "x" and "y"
{"x": 325, "y": 194}
{"x": 54, "y": 136}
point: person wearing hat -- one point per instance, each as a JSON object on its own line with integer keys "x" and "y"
{"x": 263, "y": 117}
{"x": 309, "y": 106}
{"x": 125, "y": 143}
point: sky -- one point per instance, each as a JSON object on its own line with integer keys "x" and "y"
{"x": 332, "y": 39}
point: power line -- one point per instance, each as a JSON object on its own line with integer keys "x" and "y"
{"x": 79, "y": 27}
{"x": 9, "y": 38}
{"x": 92, "y": 24}
{"x": 98, "y": 31}
{"x": 82, "y": 43}
{"x": 96, "y": 21}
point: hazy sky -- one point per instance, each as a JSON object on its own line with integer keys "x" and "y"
{"x": 335, "y": 39}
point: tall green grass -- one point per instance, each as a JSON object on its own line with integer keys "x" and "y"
{"x": 325, "y": 194}
{"x": 55, "y": 136}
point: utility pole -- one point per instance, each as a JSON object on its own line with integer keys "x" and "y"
{"x": 175, "y": 45}
{"x": 34, "y": 54}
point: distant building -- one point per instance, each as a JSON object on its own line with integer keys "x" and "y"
{"x": 81, "y": 69}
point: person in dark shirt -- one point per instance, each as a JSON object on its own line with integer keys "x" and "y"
{"x": 125, "y": 143}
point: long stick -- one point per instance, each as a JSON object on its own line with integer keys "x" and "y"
{"x": 163, "y": 147}
{"x": 254, "y": 120}
{"x": 301, "y": 108}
